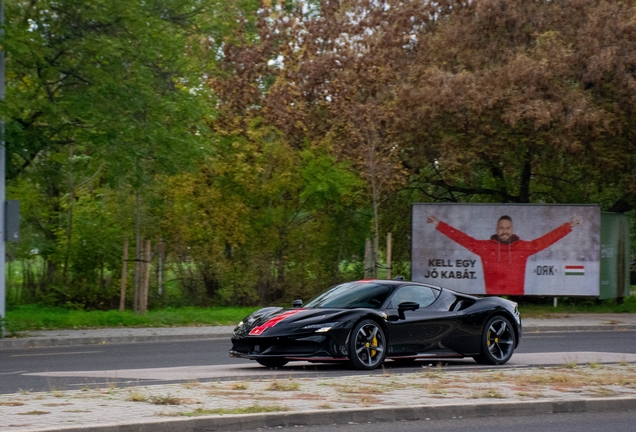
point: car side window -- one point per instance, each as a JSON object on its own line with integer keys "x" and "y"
{"x": 422, "y": 295}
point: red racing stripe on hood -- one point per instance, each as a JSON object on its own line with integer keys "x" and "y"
{"x": 271, "y": 323}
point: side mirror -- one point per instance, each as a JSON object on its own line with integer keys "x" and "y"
{"x": 407, "y": 306}
{"x": 297, "y": 303}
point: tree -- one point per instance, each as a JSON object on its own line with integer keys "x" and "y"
{"x": 257, "y": 222}
{"x": 100, "y": 95}
{"x": 524, "y": 102}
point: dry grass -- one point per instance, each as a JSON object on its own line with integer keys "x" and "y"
{"x": 11, "y": 403}
{"x": 191, "y": 384}
{"x": 575, "y": 378}
{"x": 529, "y": 395}
{"x": 368, "y": 400}
{"x": 604, "y": 392}
{"x": 284, "y": 386}
{"x": 361, "y": 389}
{"x": 244, "y": 410}
{"x": 436, "y": 390}
{"x": 488, "y": 394}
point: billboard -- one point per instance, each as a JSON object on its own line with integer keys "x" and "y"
{"x": 507, "y": 249}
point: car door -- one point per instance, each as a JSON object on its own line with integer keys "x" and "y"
{"x": 417, "y": 331}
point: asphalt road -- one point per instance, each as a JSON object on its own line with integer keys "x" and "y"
{"x": 60, "y": 368}
{"x": 570, "y": 422}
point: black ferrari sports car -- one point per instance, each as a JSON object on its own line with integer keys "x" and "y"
{"x": 368, "y": 321}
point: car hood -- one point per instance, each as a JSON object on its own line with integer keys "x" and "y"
{"x": 264, "y": 320}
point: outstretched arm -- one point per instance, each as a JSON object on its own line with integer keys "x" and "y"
{"x": 454, "y": 234}
{"x": 555, "y": 235}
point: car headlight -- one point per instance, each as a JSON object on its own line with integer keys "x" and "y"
{"x": 320, "y": 328}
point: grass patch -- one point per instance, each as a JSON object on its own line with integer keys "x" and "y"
{"x": 165, "y": 400}
{"x": 543, "y": 306}
{"x": 35, "y": 413}
{"x": 254, "y": 409}
{"x": 33, "y": 317}
{"x": 11, "y": 403}
{"x": 136, "y": 396}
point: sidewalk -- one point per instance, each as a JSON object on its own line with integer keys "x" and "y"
{"x": 287, "y": 400}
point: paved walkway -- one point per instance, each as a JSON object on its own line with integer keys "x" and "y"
{"x": 381, "y": 395}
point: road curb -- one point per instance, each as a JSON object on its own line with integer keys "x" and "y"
{"x": 365, "y": 415}
{"x": 606, "y": 327}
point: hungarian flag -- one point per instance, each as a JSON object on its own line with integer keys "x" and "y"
{"x": 574, "y": 270}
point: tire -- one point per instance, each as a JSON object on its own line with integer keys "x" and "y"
{"x": 367, "y": 345}
{"x": 272, "y": 363}
{"x": 497, "y": 342}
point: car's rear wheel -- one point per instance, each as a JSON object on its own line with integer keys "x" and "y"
{"x": 367, "y": 345}
{"x": 272, "y": 363}
{"x": 497, "y": 342}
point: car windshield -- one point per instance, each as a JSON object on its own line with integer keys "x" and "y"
{"x": 352, "y": 295}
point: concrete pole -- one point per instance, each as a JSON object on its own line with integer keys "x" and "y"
{"x": 3, "y": 293}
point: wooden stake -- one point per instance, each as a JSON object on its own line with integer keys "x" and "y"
{"x": 124, "y": 271}
{"x": 388, "y": 256}
{"x": 146, "y": 278}
{"x": 368, "y": 259}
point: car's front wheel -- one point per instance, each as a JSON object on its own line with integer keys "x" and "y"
{"x": 497, "y": 342}
{"x": 272, "y": 363}
{"x": 367, "y": 345}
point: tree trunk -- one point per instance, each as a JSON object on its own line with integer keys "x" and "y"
{"x": 143, "y": 304}
{"x": 526, "y": 177}
{"x": 138, "y": 247}
{"x": 368, "y": 260}
{"x": 71, "y": 200}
